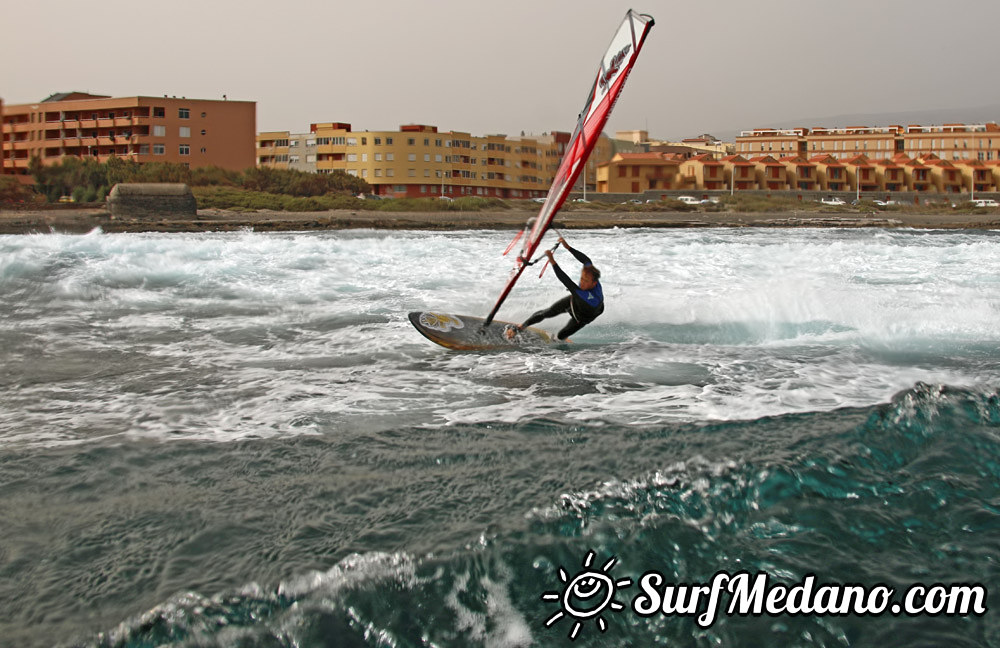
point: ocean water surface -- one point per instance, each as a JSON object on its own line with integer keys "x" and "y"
{"x": 239, "y": 440}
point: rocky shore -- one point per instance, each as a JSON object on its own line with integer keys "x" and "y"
{"x": 211, "y": 220}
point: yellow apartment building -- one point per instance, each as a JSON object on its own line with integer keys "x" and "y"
{"x": 418, "y": 160}
{"x": 194, "y": 132}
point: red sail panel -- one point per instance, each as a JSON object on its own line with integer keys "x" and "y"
{"x": 614, "y": 70}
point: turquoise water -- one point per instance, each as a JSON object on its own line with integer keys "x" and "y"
{"x": 238, "y": 439}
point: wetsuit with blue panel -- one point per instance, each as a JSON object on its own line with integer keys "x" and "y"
{"x": 582, "y": 305}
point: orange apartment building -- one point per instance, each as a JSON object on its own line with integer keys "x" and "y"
{"x": 800, "y": 173}
{"x": 195, "y": 132}
{"x": 740, "y": 172}
{"x": 949, "y": 141}
{"x": 639, "y": 172}
{"x": 951, "y": 158}
{"x": 418, "y": 160}
{"x": 703, "y": 172}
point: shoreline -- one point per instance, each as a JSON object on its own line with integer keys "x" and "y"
{"x": 82, "y": 220}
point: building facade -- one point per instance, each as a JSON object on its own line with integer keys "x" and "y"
{"x": 640, "y": 172}
{"x": 418, "y": 160}
{"x": 949, "y": 141}
{"x": 194, "y": 132}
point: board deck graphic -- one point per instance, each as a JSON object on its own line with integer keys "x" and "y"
{"x": 468, "y": 333}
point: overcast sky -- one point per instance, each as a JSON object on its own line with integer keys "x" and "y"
{"x": 513, "y": 65}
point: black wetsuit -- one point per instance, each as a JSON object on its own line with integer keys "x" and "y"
{"x": 583, "y": 305}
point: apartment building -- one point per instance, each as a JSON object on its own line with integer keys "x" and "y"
{"x": 194, "y": 132}
{"x": 286, "y": 150}
{"x": 419, "y": 160}
{"x": 639, "y": 172}
{"x": 704, "y": 172}
{"x": 3, "y": 149}
{"x": 949, "y": 141}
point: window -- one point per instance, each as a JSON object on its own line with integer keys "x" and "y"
{"x": 352, "y": 141}
{"x": 159, "y": 131}
{"x": 411, "y": 141}
{"x": 204, "y": 150}
{"x": 159, "y": 112}
{"x": 390, "y": 172}
{"x": 352, "y": 157}
{"x": 184, "y": 113}
{"x": 388, "y": 141}
{"x": 411, "y": 157}
{"x": 378, "y": 141}
{"x": 390, "y": 157}
{"x": 364, "y": 141}
{"x": 159, "y": 149}
{"x": 411, "y": 173}
{"x": 427, "y": 157}
{"x": 204, "y": 115}
{"x": 364, "y": 157}
{"x": 144, "y": 149}
{"x": 364, "y": 173}
{"x": 184, "y": 149}
{"x": 185, "y": 131}
{"x": 378, "y": 157}
{"x": 202, "y": 131}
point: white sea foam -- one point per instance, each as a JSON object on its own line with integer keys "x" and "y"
{"x": 228, "y": 336}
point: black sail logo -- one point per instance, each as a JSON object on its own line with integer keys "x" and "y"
{"x": 613, "y": 67}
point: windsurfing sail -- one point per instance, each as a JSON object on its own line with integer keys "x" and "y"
{"x": 611, "y": 75}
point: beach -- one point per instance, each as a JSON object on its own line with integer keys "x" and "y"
{"x": 218, "y": 220}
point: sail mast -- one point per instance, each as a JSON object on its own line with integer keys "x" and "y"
{"x": 611, "y": 75}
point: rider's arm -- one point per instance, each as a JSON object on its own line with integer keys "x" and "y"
{"x": 580, "y": 256}
{"x": 564, "y": 278}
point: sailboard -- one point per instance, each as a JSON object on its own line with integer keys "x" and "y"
{"x": 614, "y": 69}
{"x": 468, "y": 333}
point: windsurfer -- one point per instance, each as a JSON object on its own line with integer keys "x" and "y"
{"x": 584, "y": 303}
